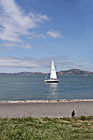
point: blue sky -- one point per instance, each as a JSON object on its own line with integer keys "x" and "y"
{"x": 32, "y": 32}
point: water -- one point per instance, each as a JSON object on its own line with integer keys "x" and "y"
{"x": 33, "y": 88}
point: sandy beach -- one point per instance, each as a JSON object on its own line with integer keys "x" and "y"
{"x": 60, "y": 108}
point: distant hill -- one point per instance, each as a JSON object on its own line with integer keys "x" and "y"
{"x": 74, "y": 72}
{"x": 24, "y": 73}
{"x": 66, "y": 72}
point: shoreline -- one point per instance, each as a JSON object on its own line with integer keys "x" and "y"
{"x": 46, "y": 108}
{"x": 45, "y": 101}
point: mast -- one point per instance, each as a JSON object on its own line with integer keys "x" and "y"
{"x": 53, "y": 71}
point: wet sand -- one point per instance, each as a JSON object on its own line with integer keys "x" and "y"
{"x": 37, "y": 109}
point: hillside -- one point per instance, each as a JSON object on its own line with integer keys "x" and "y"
{"x": 74, "y": 72}
{"x": 66, "y": 72}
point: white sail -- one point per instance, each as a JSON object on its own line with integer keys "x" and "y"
{"x": 53, "y": 71}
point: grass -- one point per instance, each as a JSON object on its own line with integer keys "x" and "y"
{"x": 78, "y": 128}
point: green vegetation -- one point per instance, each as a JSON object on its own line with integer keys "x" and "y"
{"x": 78, "y": 128}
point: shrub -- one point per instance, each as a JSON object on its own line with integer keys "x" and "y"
{"x": 83, "y": 118}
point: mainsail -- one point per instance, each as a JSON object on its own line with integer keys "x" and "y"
{"x": 53, "y": 71}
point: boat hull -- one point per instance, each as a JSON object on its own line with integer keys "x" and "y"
{"x": 51, "y": 81}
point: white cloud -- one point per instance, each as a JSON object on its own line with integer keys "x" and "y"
{"x": 54, "y": 34}
{"x": 17, "y": 62}
{"x": 30, "y": 62}
{"x": 65, "y": 63}
{"x": 35, "y": 35}
{"x": 11, "y": 45}
{"x": 40, "y": 65}
{"x": 15, "y": 23}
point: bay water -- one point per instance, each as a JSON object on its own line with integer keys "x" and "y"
{"x": 32, "y": 87}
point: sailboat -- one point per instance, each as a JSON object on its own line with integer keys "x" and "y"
{"x": 53, "y": 75}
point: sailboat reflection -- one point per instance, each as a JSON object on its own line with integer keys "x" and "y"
{"x": 53, "y": 90}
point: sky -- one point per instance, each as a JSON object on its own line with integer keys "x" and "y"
{"x": 33, "y": 32}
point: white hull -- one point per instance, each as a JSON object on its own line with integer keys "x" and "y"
{"x": 52, "y": 81}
